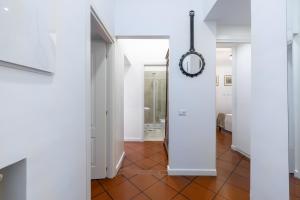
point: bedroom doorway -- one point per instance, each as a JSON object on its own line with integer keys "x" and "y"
{"x": 233, "y": 96}
{"x": 233, "y": 93}
{"x": 224, "y": 83}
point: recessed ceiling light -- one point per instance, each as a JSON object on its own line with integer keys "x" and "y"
{"x": 6, "y": 9}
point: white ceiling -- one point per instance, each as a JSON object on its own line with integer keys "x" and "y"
{"x": 223, "y": 57}
{"x": 231, "y": 12}
{"x": 146, "y": 51}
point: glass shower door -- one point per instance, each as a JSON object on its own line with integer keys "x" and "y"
{"x": 155, "y": 100}
{"x": 293, "y": 55}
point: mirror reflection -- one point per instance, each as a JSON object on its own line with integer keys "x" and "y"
{"x": 192, "y": 64}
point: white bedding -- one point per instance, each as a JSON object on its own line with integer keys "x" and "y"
{"x": 228, "y": 122}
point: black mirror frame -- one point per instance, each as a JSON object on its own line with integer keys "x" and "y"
{"x": 185, "y": 72}
{"x": 192, "y": 50}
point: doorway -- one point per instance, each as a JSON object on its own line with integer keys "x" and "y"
{"x": 233, "y": 80}
{"x": 224, "y": 89}
{"x": 98, "y": 108}
{"x": 145, "y": 88}
{"x": 145, "y": 102}
{"x": 233, "y": 96}
{"x": 155, "y": 102}
{"x": 100, "y": 44}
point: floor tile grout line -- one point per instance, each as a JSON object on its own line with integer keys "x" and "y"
{"x": 105, "y": 190}
{"x": 99, "y": 193}
{"x": 227, "y": 179}
{"x": 191, "y": 181}
{"x": 147, "y": 186}
{"x": 133, "y": 185}
{"x": 159, "y": 180}
{"x": 218, "y": 157}
{"x": 180, "y": 192}
{"x": 141, "y": 191}
{"x": 128, "y": 179}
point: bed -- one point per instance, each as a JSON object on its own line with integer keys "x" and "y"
{"x": 224, "y": 121}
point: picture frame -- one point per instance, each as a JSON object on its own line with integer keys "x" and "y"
{"x": 228, "y": 80}
{"x": 28, "y": 34}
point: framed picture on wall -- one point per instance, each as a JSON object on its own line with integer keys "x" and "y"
{"x": 227, "y": 80}
{"x": 217, "y": 80}
{"x": 28, "y": 34}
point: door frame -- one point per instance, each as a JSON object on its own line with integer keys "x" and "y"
{"x": 99, "y": 107}
{"x": 109, "y": 39}
{"x": 133, "y": 37}
{"x": 154, "y": 103}
{"x": 232, "y": 42}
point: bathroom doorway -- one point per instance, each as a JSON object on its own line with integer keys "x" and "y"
{"x": 145, "y": 88}
{"x": 145, "y": 102}
{"x": 155, "y": 102}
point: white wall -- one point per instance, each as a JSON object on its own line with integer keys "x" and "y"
{"x": 105, "y": 10}
{"x": 207, "y": 5}
{"x": 134, "y": 103}
{"x": 192, "y": 138}
{"x": 231, "y": 33}
{"x": 139, "y": 52}
{"x": 223, "y": 93}
{"x": 242, "y": 98}
{"x": 43, "y": 116}
{"x": 48, "y": 121}
{"x": 269, "y": 128}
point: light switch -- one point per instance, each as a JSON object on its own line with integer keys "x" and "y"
{"x": 182, "y": 112}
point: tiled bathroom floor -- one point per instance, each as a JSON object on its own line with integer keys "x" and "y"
{"x": 154, "y": 134}
{"x": 143, "y": 176}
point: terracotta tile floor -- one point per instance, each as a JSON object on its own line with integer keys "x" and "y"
{"x": 294, "y": 188}
{"x": 143, "y": 176}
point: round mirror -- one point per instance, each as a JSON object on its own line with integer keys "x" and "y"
{"x": 192, "y": 64}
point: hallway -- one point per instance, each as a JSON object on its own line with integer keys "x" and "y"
{"x": 143, "y": 176}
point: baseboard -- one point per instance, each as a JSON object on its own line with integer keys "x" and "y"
{"x": 134, "y": 139}
{"x": 192, "y": 172}
{"x": 235, "y": 148}
{"x": 155, "y": 140}
{"x": 118, "y": 166}
{"x": 297, "y": 174}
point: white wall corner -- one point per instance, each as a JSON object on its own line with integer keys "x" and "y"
{"x": 191, "y": 172}
{"x": 237, "y": 149}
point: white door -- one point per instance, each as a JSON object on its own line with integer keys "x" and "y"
{"x": 99, "y": 108}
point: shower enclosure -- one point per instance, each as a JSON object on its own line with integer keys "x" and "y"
{"x": 293, "y": 55}
{"x": 155, "y": 103}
